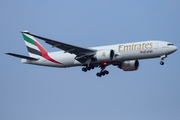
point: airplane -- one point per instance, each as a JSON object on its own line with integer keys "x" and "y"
{"x": 124, "y": 56}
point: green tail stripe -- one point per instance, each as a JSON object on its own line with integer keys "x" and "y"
{"x": 28, "y": 39}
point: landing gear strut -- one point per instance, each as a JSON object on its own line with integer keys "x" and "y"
{"x": 102, "y": 72}
{"x": 162, "y": 58}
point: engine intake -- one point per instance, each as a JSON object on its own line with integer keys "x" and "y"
{"x": 104, "y": 55}
{"x": 130, "y": 65}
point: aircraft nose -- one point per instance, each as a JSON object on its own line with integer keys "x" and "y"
{"x": 175, "y": 48}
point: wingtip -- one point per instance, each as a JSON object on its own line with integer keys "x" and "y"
{"x": 7, "y": 53}
{"x": 25, "y": 31}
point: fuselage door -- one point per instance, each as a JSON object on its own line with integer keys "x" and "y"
{"x": 156, "y": 45}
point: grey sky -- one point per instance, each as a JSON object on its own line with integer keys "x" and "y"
{"x": 29, "y": 92}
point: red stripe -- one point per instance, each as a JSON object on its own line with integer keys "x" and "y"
{"x": 45, "y": 53}
{"x": 46, "y": 56}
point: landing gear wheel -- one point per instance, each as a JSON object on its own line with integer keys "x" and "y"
{"x": 84, "y": 69}
{"x": 162, "y": 63}
{"x": 98, "y": 74}
{"x": 92, "y": 67}
{"x": 88, "y": 68}
{"x": 102, "y": 73}
{"x": 106, "y": 72}
{"x": 162, "y": 58}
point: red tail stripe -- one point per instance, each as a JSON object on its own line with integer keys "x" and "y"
{"x": 46, "y": 56}
{"x": 45, "y": 53}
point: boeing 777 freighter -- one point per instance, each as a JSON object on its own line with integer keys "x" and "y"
{"x": 124, "y": 56}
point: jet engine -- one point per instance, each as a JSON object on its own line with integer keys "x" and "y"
{"x": 129, "y": 65}
{"x": 104, "y": 55}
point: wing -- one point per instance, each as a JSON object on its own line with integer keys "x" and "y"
{"x": 82, "y": 54}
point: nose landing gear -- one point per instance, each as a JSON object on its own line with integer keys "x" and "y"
{"x": 162, "y": 63}
{"x": 162, "y": 58}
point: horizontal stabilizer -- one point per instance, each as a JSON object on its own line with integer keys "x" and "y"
{"x": 21, "y": 56}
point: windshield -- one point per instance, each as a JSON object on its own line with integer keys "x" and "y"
{"x": 170, "y": 44}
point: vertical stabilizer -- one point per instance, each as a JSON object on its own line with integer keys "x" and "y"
{"x": 34, "y": 48}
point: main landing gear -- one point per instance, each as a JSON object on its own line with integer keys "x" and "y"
{"x": 99, "y": 74}
{"x": 85, "y": 69}
{"x": 162, "y": 58}
{"x": 102, "y": 72}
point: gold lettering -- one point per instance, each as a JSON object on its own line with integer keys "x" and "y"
{"x": 120, "y": 48}
{"x": 151, "y": 45}
{"x": 126, "y": 48}
{"x": 132, "y": 46}
{"x": 143, "y": 45}
{"x": 146, "y": 45}
{"x": 135, "y": 47}
{"x": 139, "y": 47}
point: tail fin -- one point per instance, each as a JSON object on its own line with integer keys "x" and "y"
{"x": 34, "y": 48}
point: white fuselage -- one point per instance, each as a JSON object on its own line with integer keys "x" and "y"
{"x": 123, "y": 52}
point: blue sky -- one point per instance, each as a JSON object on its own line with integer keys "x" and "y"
{"x": 35, "y": 92}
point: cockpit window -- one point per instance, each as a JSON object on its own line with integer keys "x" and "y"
{"x": 170, "y": 44}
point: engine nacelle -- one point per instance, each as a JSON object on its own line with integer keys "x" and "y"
{"x": 104, "y": 55}
{"x": 130, "y": 65}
